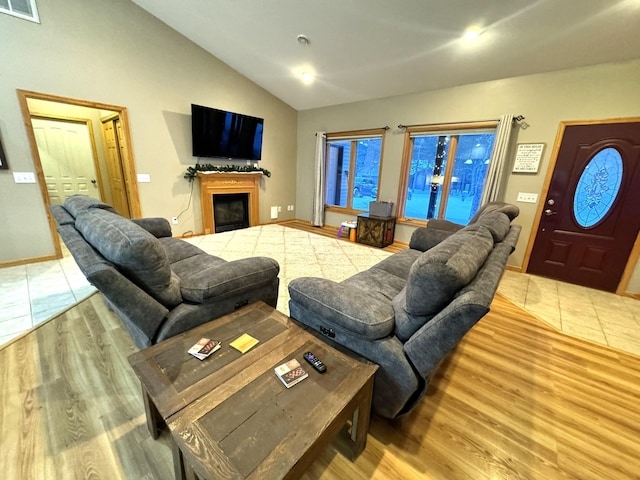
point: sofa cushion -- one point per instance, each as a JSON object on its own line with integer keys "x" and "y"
{"x": 76, "y": 204}
{"x": 342, "y": 307}
{"x": 424, "y": 238}
{"x": 375, "y": 283}
{"x": 510, "y": 210}
{"x": 178, "y": 250}
{"x": 61, "y": 215}
{"x": 399, "y": 264}
{"x": 132, "y": 249}
{"x": 190, "y": 265}
{"x": 214, "y": 279}
{"x": 156, "y": 226}
{"x": 438, "y": 274}
{"x": 497, "y": 223}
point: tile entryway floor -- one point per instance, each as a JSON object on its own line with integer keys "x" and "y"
{"x": 582, "y": 312}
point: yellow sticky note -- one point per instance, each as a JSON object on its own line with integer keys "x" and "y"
{"x": 244, "y": 342}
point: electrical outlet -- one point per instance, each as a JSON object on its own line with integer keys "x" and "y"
{"x": 279, "y": 208}
{"x": 527, "y": 197}
{"x": 144, "y": 178}
{"x": 174, "y": 220}
{"x": 290, "y": 208}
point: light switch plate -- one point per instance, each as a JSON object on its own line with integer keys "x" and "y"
{"x": 24, "y": 177}
{"x": 527, "y": 197}
{"x": 144, "y": 178}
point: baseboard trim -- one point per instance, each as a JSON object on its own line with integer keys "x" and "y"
{"x": 25, "y": 261}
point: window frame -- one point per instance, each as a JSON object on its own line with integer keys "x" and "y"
{"x": 453, "y": 130}
{"x": 353, "y": 136}
{"x": 35, "y": 17}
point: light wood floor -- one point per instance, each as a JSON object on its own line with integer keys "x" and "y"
{"x": 332, "y": 232}
{"x": 515, "y": 400}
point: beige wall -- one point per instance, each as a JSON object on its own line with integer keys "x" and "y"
{"x": 115, "y": 53}
{"x": 599, "y": 92}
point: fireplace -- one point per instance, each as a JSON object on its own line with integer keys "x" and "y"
{"x": 229, "y": 188}
{"x": 230, "y": 211}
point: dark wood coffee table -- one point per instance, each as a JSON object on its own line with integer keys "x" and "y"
{"x": 231, "y": 417}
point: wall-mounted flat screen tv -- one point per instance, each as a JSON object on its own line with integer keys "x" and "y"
{"x": 222, "y": 134}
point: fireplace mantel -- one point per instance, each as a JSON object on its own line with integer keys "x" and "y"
{"x": 219, "y": 183}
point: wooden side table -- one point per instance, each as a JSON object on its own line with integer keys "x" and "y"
{"x": 375, "y": 231}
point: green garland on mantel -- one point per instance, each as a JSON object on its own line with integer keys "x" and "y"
{"x": 192, "y": 172}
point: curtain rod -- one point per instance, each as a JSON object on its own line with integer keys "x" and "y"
{"x": 386, "y": 127}
{"x": 518, "y": 118}
{"x": 444, "y": 123}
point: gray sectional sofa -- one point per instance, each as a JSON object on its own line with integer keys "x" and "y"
{"x": 408, "y": 312}
{"x": 158, "y": 285}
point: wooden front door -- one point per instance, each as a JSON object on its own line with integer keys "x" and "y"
{"x": 590, "y": 217}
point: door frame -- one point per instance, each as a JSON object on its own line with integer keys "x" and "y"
{"x": 635, "y": 252}
{"x": 92, "y": 139}
{"x": 128, "y": 163}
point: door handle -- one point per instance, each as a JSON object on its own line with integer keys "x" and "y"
{"x": 548, "y": 212}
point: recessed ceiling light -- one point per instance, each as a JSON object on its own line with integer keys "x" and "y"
{"x": 303, "y": 40}
{"x": 472, "y": 33}
{"x": 304, "y": 73}
{"x": 307, "y": 78}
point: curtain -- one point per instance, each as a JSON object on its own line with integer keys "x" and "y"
{"x": 498, "y": 163}
{"x": 317, "y": 216}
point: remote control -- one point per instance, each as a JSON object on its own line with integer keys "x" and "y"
{"x": 315, "y": 362}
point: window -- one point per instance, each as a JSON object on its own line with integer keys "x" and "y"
{"x": 444, "y": 171}
{"x": 20, "y": 8}
{"x": 598, "y": 187}
{"x": 353, "y": 161}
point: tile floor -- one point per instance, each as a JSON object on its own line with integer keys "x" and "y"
{"x": 594, "y": 315}
{"x": 30, "y": 294}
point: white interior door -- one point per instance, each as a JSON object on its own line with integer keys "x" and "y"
{"x": 66, "y": 154}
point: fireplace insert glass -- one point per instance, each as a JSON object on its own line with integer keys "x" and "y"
{"x": 230, "y": 211}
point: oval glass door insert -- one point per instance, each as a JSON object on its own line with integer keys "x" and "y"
{"x": 598, "y": 187}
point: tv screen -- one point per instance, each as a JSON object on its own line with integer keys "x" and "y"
{"x": 218, "y": 133}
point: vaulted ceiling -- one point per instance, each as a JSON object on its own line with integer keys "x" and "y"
{"x": 365, "y": 49}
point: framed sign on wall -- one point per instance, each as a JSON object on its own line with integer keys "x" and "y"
{"x": 528, "y": 157}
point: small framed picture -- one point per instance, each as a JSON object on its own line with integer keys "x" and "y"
{"x": 3, "y": 158}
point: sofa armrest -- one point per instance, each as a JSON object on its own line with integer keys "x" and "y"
{"x": 220, "y": 280}
{"x": 344, "y": 307}
{"x": 444, "y": 225}
{"x": 61, "y": 216}
{"x": 432, "y": 343}
{"x": 125, "y": 296}
{"x": 436, "y": 231}
{"x": 156, "y": 226}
